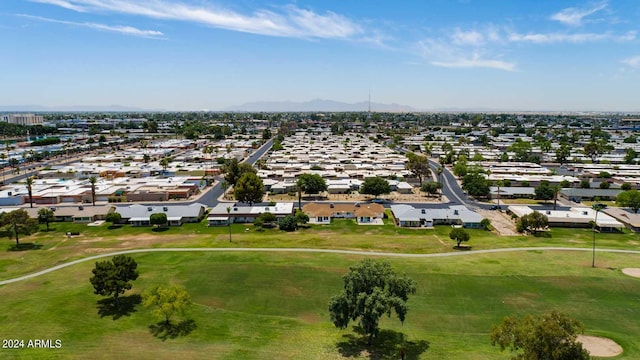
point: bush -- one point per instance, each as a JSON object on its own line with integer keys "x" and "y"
{"x": 288, "y": 223}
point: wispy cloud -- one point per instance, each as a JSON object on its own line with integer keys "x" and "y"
{"x": 476, "y": 62}
{"x": 575, "y": 16}
{"x": 632, "y": 61}
{"x": 287, "y": 21}
{"x": 443, "y": 53}
{"x": 121, "y": 29}
{"x": 575, "y": 38}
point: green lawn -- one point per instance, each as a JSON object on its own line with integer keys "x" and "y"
{"x": 55, "y": 247}
{"x": 273, "y": 306}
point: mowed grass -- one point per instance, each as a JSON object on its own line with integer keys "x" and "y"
{"x": 274, "y": 306}
{"x": 56, "y": 248}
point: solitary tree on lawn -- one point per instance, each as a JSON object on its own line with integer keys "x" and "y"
{"x": 16, "y": 223}
{"x": 459, "y": 235}
{"x": 167, "y": 301}
{"x": 114, "y": 277}
{"x": 371, "y": 289}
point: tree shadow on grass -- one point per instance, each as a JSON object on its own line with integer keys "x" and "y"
{"x": 126, "y": 307}
{"x": 113, "y": 227}
{"x": 164, "y": 331}
{"x": 25, "y": 247}
{"x": 160, "y": 229}
{"x": 389, "y": 344}
{"x": 462, "y": 247}
{"x": 542, "y": 234}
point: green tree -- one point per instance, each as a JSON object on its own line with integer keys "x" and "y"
{"x": 249, "y": 188}
{"x": 585, "y": 184}
{"x": 92, "y": 181}
{"x": 371, "y": 289}
{"x": 475, "y": 184}
{"x": 16, "y": 223}
{"x": 431, "y": 187}
{"x": 486, "y": 224}
{"x": 630, "y": 199}
{"x": 165, "y": 164}
{"x": 533, "y": 222}
{"x": 311, "y": 183}
{"x": 114, "y": 277}
{"x": 288, "y": 223}
{"x": 562, "y": 153}
{"x": 30, "y": 190}
{"x": 459, "y": 235}
{"x": 604, "y": 185}
{"x": 544, "y": 191}
{"x": 551, "y": 336}
{"x": 375, "y": 186}
{"x": 46, "y": 215}
{"x": 460, "y": 169}
{"x": 165, "y": 301}
{"x": 630, "y": 156}
{"x": 158, "y": 219}
{"x": 418, "y": 165}
{"x": 301, "y": 217}
{"x": 113, "y": 217}
{"x": 233, "y": 170}
{"x": 625, "y": 186}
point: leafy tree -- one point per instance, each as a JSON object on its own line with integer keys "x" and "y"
{"x": 30, "y": 190}
{"x": 167, "y": 301}
{"x": 562, "y": 153}
{"x": 604, "y": 185}
{"x": 522, "y": 150}
{"x": 585, "y": 184}
{"x": 459, "y": 235}
{"x": 375, "y": 186}
{"x": 17, "y": 222}
{"x": 267, "y": 217}
{"x": 158, "y": 219}
{"x": 418, "y": 165}
{"x": 550, "y": 336}
{"x": 165, "y": 163}
{"x": 46, "y": 215}
{"x": 249, "y": 188}
{"x": 565, "y": 184}
{"x": 113, "y": 217}
{"x": 630, "y": 156}
{"x": 114, "y": 277}
{"x": 92, "y": 181}
{"x": 288, "y": 223}
{"x": 431, "y": 187}
{"x": 233, "y": 170}
{"x": 625, "y": 186}
{"x": 460, "y": 169}
{"x": 629, "y": 198}
{"x": 486, "y": 223}
{"x": 533, "y": 222}
{"x": 371, "y": 289}
{"x": 311, "y": 183}
{"x": 301, "y": 217}
{"x": 544, "y": 191}
{"x": 475, "y": 184}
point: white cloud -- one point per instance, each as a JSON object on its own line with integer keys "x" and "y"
{"x": 289, "y": 21}
{"x": 121, "y": 29}
{"x": 443, "y": 54}
{"x": 574, "y": 16}
{"x": 576, "y": 38}
{"x": 472, "y": 37}
{"x": 632, "y": 61}
{"x": 475, "y": 62}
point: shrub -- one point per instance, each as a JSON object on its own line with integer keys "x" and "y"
{"x": 288, "y": 223}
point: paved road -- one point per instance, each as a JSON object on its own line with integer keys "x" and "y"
{"x": 307, "y": 250}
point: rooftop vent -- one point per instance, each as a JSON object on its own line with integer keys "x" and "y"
{"x": 548, "y": 212}
{"x": 164, "y": 208}
{"x": 455, "y": 212}
{"x": 585, "y": 213}
{"x": 80, "y": 207}
{"x": 423, "y": 211}
{"x": 331, "y": 205}
{"x": 149, "y": 208}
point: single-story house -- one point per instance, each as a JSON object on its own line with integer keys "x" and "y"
{"x": 323, "y": 213}
{"x": 139, "y": 215}
{"x": 579, "y": 195}
{"x": 629, "y": 219}
{"x": 224, "y": 213}
{"x": 408, "y": 216}
{"x": 574, "y": 217}
{"x": 512, "y": 192}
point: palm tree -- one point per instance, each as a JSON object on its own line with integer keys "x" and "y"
{"x": 164, "y": 163}
{"x": 30, "y": 190}
{"x": 92, "y": 181}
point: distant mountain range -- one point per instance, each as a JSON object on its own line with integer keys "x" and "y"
{"x": 318, "y": 105}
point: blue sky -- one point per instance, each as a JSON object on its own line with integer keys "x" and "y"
{"x": 211, "y": 54}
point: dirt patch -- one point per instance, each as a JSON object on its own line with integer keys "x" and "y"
{"x": 500, "y": 222}
{"x": 635, "y": 272}
{"x": 599, "y": 346}
{"x": 310, "y": 318}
